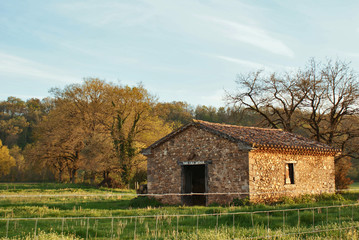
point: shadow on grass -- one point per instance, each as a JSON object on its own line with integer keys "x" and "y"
{"x": 47, "y": 187}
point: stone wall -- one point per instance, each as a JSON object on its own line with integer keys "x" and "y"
{"x": 313, "y": 174}
{"x": 233, "y": 169}
{"x": 227, "y": 172}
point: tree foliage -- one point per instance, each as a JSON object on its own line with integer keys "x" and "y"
{"x": 6, "y": 160}
{"x": 94, "y": 130}
{"x": 97, "y": 127}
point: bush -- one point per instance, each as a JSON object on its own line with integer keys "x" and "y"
{"x": 144, "y": 202}
{"x": 287, "y": 200}
{"x": 330, "y": 197}
{"x": 241, "y": 202}
{"x": 308, "y": 198}
{"x": 214, "y": 204}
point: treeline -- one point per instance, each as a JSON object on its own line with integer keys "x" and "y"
{"x": 18, "y": 121}
{"x": 93, "y": 132}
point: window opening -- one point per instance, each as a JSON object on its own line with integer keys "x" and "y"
{"x": 289, "y": 173}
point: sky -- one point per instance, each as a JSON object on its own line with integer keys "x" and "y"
{"x": 184, "y": 50}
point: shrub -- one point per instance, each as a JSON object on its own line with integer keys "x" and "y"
{"x": 214, "y": 204}
{"x": 330, "y": 197}
{"x": 241, "y": 202}
{"x": 287, "y": 200}
{"x": 307, "y": 198}
{"x": 144, "y": 202}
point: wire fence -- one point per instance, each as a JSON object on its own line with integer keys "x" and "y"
{"x": 340, "y": 221}
{"x": 114, "y": 194}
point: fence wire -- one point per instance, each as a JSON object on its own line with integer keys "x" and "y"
{"x": 326, "y": 221}
{"x": 4, "y": 196}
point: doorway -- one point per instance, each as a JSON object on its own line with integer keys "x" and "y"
{"x": 194, "y": 180}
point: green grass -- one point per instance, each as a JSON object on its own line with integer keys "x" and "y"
{"x": 355, "y": 186}
{"x": 209, "y": 227}
{"x": 54, "y": 188}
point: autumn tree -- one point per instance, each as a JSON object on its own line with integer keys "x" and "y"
{"x": 59, "y": 143}
{"x": 17, "y": 172}
{"x": 134, "y": 125}
{"x": 174, "y": 113}
{"x": 98, "y": 127}
{"x": 6, "y": 160}
{"x": 18, "y": 119}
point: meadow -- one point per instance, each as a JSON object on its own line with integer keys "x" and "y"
{"x": 76, "y": 211}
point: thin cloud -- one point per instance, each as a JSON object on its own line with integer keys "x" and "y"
{"x": 246, "y": 63}
{"x": 17, "y": 66}
{"x": 256, "y": 66}
{"x": 252, "y": 35}
{"x": 99, "y": 14}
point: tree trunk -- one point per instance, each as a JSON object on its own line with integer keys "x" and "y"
{"x": 73, "y": 175}
{"x": 107, "y": 181}
{"x": 70, "y": 174}
{"x": 60, "y": 176}
{"x": 92, "y": 178}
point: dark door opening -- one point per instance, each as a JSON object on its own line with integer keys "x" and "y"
{"x": 194, "y": 181}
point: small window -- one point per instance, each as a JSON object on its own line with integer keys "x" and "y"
{"x": 289, "y": 173}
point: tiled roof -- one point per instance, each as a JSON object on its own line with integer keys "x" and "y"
{"x": 265, "y": 137}
{"x": 255, "y": 137}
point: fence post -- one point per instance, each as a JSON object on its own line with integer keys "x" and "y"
{"x": 298, "y": 223}
{"x": 217, "y": 225}
{"x": 62, "y": 227}
{"x": 87, "y": 228}
{"x": 35, "y": 233}
{"x": 177, "y": 228}
{"x": 283, "y": 221}
{"x": 252, "y": 220}
{"x": 111, "y": 228}
{"x": 313, "y": 220}
{"x": 340, "y": 224}
{"x": 352, "y": 212}
{"x": 197, "y": 227}
{"x": 156, "y": 226}
{"x": 268, "y": 224}
{"x": 7, "y": 228}
{"x": 134, "y": 234}
{"x": 327, "y": 224}
{"x": 353, "y": 219}
{"x": 234, "y": 235}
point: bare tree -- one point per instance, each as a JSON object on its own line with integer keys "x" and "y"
{"x": 276, "y": 98}
{"x": 322, "y": 99}
{"x": 331, "y": 105}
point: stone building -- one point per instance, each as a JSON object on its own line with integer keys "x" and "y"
{"x": 223, "y": 162}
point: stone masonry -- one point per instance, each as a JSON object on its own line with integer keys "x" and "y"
{"x": 313, "y": 174}
{"x": 234, "y": 164}
{"x": 227, "y": 172}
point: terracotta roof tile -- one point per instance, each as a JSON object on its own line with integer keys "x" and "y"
{"x": 265, "y": 137}
{"x": 254, "y": 136}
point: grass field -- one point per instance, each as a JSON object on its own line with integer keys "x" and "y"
{"x": 355, "y": 186}
{"x": 106, "y": 217}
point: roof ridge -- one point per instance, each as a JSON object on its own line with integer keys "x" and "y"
{"x": 255, "y": 137}
{"x": 231, "y": 125}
